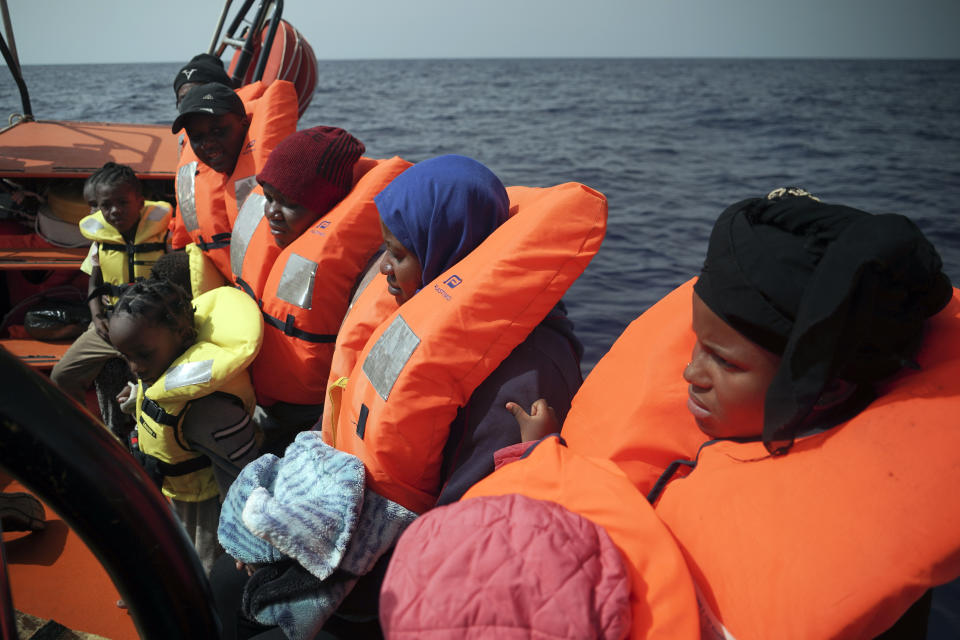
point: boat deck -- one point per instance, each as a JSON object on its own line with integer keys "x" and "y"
{"x": 64, "y": 149}
{"x": 54, "y": 576}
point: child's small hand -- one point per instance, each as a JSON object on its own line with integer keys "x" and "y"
{"x": 540, "y": 422}
{"x": 127, "y": 399}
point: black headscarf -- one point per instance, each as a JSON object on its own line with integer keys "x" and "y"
{"x": 835, "y": 291}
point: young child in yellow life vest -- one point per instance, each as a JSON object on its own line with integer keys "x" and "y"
{"x": 128, "y": 234}
{"x": 194, "y": 396}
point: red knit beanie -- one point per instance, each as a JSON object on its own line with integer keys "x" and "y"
{"x": 313, "y": 167}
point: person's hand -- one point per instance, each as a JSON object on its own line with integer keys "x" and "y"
{"x": 250, "y": 568}
{"x": 102, "y": 326}
{"x": 124, "y": 394}
{"x": 539, "y": 423}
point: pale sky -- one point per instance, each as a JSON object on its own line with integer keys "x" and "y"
{"x": 95, "y": 31}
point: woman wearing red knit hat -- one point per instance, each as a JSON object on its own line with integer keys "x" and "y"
{"x": 305, "y": 176}
{"x": 297, "y": 247}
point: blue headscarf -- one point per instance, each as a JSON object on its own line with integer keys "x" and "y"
{"x": 442, "y": 209}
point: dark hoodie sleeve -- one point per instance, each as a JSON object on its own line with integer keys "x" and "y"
{"x": 545, "y": 365}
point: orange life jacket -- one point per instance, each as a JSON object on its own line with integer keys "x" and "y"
{"x": 373, "y": 306}
{"x": 662, "y": 597}
{"x": 209, "y": 201}
{"x": 850, "y": 527}
{"x": 305, "y": 293}
{"x": 636, "y": 388}
{"x": 835, "y": 539}
{"x": 424, "y": 362}
{"x": 179, "y": 238}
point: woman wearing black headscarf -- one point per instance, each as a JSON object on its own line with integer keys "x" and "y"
{"x": 807, "y": 491}
{"x": 832, "y": 299}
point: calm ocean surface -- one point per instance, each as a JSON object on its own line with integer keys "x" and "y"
{"x": 669, "y": 142}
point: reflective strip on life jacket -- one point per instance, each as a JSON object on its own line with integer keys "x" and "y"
{"x": 251, "y": 213}
{"x": 186, "y": 195}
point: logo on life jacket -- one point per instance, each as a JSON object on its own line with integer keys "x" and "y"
{"x": 453, "y": 281}
{"x": 319, "y": 227}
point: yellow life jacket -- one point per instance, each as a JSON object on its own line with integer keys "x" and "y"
{"x": 122, "y": 262}
{"x": 426, "y": 359}
{"x": 229, "y": 332}
{"x": 204, "y": 275}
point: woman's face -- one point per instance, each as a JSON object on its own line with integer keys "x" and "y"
{"x": 403, "y": 270}
{"x": 729, "y": 377}
{"x": 287, "y": 219}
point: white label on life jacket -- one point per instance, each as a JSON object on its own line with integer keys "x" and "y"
{"x": 247, "y": 222}
{"x": 389, "y": 355}
{"x": 189, "y": 373}
{"x": 243, "y": 188}
{"x": 296, "y": 282}
{"x": 186, "y": 196}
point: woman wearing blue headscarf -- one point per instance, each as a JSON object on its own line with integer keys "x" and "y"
{"x": 432, "y": 215}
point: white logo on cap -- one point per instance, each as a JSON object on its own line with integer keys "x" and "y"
{"x": 188, "y": 72}
{"x": 209, "y": 96}
{"x": 207, "y": 109}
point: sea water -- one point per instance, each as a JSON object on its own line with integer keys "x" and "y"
{"x": 669, "y": 142}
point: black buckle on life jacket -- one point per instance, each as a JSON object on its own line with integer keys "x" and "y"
{"x": 157, "y": 414}
{"x": 218, "y": 241}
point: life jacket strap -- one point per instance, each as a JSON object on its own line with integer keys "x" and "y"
{"x": 217, "y": 241}
{"x": 144, "y": 247}
{"x": 247, "y": 289}
{"x": 183, "y": 468}
{"x": 288, "y": 328}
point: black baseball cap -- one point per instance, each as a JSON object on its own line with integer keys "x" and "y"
{"x": 203, "y": 67}
{"x": 212, "y": 99}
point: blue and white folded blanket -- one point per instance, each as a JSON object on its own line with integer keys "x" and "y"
{"x": 309, "y": 506}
